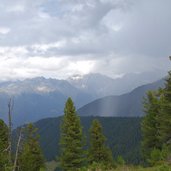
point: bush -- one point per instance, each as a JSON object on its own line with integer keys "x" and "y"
{"x": 159, "y": 156}
{"x": 155, "y": 156}
{"x": 164, "y": 167}
{"x": 120, "y": 161}
{"x": 97, "y": 167}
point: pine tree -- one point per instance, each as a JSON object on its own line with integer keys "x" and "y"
{"x": 165, "y": 114}
{"x": 98, "y": 151}
{"x": 31, "y": 157}
{"x": 71, "y": 141}
{"x": 4, "y": 160}
{"x": 150, "y": 124}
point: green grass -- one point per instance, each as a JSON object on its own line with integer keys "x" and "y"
{"x": 51, "y": 165}
{"x": 133, "y": 168}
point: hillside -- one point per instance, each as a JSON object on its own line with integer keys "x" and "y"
{"x": 130, "y": 104}
{"x": 123, "y": 136}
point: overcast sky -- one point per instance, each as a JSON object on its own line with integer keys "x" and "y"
{"x": 59, "y": 38}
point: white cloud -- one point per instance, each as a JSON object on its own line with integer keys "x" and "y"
{"x": 81, "y": 67}
{"x": 15, "y": 67}
{"x": 16, "y": 8}
{"x": 45, "y": 47}
{"x": 16, "y": 51}
{"x": 61, "y": 37}
{"x": 4, "y": 30}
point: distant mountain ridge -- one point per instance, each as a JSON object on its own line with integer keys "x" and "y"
{"x": 101, "y": 85}
{"x": 129, "y": 104}
{"x": 39, "y": 97}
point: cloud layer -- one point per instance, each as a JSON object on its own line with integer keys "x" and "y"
{"x": 58, "y": 38}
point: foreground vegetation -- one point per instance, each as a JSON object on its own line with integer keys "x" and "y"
{"x": 131, "y": 168}
{"x": 99, "y": 167}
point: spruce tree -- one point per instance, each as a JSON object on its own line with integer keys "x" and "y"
{"x": 4, "y": 160}
{"x": 150, "y": 124}
{"x": 31, "y": 158}
{"x": 98, "y": 151}
{"x": 71, "y": 141}
{"x": 156, "y": 125}
{"x": 165, "y": 114}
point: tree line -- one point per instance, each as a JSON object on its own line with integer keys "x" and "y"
{"x": 156, "y": 125}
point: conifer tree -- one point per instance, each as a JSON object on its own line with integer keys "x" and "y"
{"x": 71, "y": 141}
{"x": 165, "y": 114}
{"x": 4, "y": 160}
{"x": 156, "y": 125}
{"x": 98, "y": 151}
{"x": 150, "y": 124}
{"x": 31, "y": 158}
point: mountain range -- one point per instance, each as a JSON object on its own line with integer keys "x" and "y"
{"x": 100, "y": 85}
{"x": 39, "y": 97}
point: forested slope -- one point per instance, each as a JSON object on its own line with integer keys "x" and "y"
{"x": 123, "y": 135}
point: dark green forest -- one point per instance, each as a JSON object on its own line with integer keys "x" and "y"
{"x": 123, "y": 136}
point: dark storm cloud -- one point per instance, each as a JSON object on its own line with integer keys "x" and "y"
{"x": 110, "y": 36}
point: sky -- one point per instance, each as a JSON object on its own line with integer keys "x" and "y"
{"x": 60, "y": 38}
